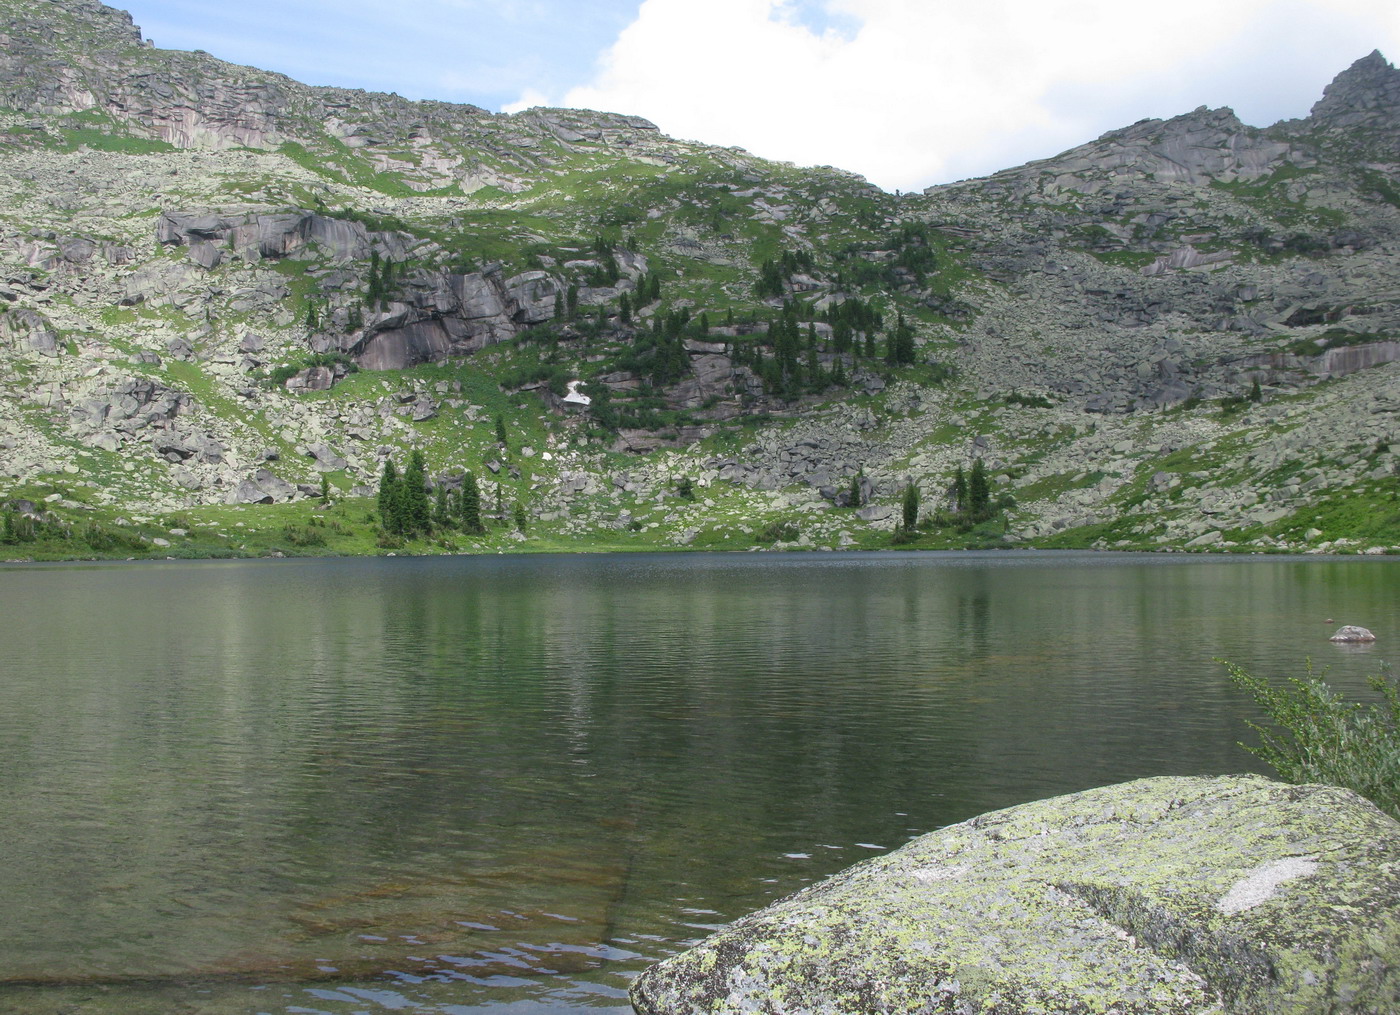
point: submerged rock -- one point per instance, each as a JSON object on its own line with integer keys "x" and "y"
{"x": 1170, "y": 895}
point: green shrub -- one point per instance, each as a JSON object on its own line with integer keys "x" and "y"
{"x": 1029, "y": 401}
{"x": 1314, "y": 735}
{"x": 105, "y": 540}
{"x": 280, "y": 375}
{"x": 778, "y": 532}
{"x": 18, "y": 528}
{"x": 303, "y": 536}
{"x": 1231, "y": 404}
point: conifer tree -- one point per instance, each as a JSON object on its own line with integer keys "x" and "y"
{"x": 500, "y": 431}
{"x": 979, "y": 493}
{"x": 911, "y": 506}
{"x": 442, "y": 513}
{"x": 471, "y": 506}
{"x": 901, "y": 344}
{"x": 841, "y": 337}
{"x": 386, "y": 282}
{"x": 417, "y": 512}
{"x": 375, "y": 286}
{"x": 389, "y": 514}
{"x": 770, "y": 280}
{"x": 960, "y": 490}
{"x": 854, "y": 496}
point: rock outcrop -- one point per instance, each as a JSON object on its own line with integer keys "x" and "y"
{"x": 83, "y": 57}
{"x": 1365, "y": 95}
{"x": 28, "y": 331}
{"x": 444, "y": 315}
{"x": 1160, "y": 897}
{"x": 263, "y": 487}
{"x": 252, "y": 237}
{"x": 1352, "y": 633}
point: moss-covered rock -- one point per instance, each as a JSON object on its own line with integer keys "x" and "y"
{"x": 1172, "y": 895}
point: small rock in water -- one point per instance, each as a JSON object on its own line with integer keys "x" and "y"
{"x": 1350, "y": 633}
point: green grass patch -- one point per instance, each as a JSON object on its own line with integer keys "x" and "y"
{"x": 1264, "y": 187}
{"x": 340, "y": 163}
{"x": 1334, "y": 338}
{"x": 124, "y": 144}
{"x": 1058, "y": 484}
{"x": 1369, "y": 514}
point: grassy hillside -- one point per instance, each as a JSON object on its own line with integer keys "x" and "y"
{"x": 1138, "y": 349}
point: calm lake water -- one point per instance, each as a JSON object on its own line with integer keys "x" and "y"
{"x": 451, "y": 784}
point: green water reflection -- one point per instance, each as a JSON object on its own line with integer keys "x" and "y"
{"x": 438, "y": 785}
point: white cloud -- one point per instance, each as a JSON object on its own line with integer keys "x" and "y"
{"x": 530, "y": 98}
{"x": 912, "y": 92}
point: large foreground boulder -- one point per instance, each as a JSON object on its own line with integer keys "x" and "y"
{"x": 1230, "y": 895}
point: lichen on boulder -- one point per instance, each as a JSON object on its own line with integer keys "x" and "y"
{"x": 1171, "y": 895}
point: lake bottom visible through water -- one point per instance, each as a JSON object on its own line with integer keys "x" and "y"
{"x": 455, "y": 784}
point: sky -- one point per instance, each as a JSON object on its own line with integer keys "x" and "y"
{"x": 908, "y": 93}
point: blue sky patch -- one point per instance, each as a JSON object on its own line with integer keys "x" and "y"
{"x": 818, "y": 18}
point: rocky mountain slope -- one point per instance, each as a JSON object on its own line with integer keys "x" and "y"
{"x": 228, "y": 298}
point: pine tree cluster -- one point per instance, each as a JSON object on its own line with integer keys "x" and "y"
{"x": 405, "y": 510}
{"x": 774, "y": 275}
{"x": 972, "y": 495}
{"x": 382, "y": 281}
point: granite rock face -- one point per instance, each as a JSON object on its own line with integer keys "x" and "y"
{"x": 1365, "y": 95}
{"x": 193, "y": 100}
{"x": 444, "y": 314}
{"x": 1169, "y": 895}
{"x": 252, "y": 237}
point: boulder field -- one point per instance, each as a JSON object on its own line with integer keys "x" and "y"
{"x": 1234, "y": 895}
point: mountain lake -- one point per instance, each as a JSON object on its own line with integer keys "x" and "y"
{"x": 455, "y": 784}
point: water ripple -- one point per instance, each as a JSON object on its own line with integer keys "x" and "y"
{"x": 457, "y": 784}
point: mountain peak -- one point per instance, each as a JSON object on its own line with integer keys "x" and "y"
{"x": 1366, "y": 94}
